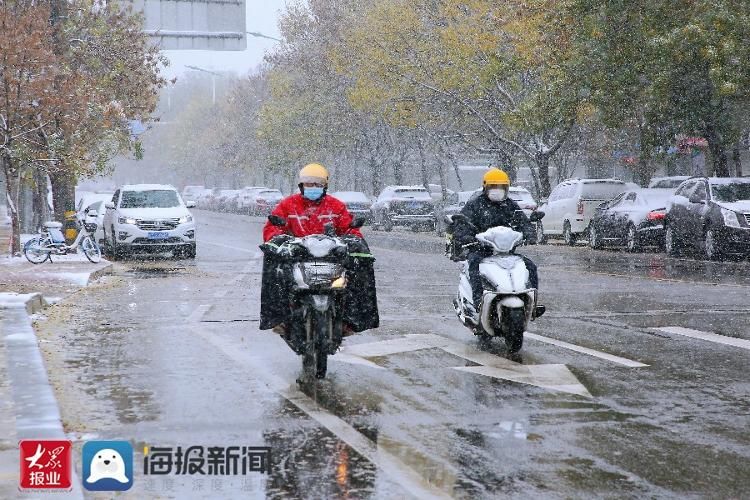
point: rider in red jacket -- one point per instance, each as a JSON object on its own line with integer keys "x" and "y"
{"x": 305, "y": 217}
{"x": 307, "y": 213}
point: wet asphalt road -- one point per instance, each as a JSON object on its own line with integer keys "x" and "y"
{"x": 167, "y": 353}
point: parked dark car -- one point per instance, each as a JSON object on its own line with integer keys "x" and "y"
{"x": 632, "y": 219}
{"x": 403, "y": 206}
{"x": 710, "y": 215}
{"x": 356, "y": 202}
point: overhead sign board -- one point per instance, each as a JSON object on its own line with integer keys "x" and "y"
{"x": 193, "y": 24}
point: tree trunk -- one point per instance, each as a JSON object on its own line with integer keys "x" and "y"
{"x": 376, "y": 181}
{"x": 737, "y": 160}
{"x": 542, "y": 161}
{"x": 423, "y": 165}
{"x": 63, "y": 192}
{"x": 446, "y": 151}
{"x": 508, "y": 165}
{"x": 718, "y": 154}
{"x": 398, "y": 171}
{"x": 41, "y": 209}
{"x": 12, "y": 183}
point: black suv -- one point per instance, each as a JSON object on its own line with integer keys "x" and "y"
{"x": 709, "y": 214}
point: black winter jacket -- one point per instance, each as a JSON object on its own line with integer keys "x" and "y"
{"x": 485, "y": 214}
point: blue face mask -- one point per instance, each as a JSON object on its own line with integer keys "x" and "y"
{"x": 313, "y": 193}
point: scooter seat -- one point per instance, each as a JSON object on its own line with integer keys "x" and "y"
{"x": 53, "y": 225}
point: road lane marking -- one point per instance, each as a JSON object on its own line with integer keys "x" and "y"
{"x": 585, "y": 350}
{"x": 376, "y": 454}
{"x": 228, "y": 287}
{"x": 556, "y": 377}
{"x": 711, "y": 337}
{"x": 199, "y": 312}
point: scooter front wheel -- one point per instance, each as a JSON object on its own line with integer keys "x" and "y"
{"x": 515, "y": 324}
{"x": 315, "y": 359}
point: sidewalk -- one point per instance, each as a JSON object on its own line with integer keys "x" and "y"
{"x": 27, "y": 404}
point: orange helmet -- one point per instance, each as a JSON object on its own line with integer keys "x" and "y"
{"x": 495, "y": 176}
{"x": 314, "y": 173}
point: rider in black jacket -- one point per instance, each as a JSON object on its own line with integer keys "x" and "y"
{"x": 492, "y": 208}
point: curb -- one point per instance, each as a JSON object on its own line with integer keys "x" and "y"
{"x": 35, "y": 303}
{"x": 98, "y": 273}
{"x": 30, "y": 401}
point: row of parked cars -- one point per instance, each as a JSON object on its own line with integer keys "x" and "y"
{"x": 250, "y": 200}
{"x": 709, "y": 215}
{"x": 677, "y": 214}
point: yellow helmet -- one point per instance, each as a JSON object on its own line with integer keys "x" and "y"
{"x": 313, "y": 173}
{"x": 495, "y": 176}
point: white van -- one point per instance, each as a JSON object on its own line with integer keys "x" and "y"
{"x": 572, "y": 204}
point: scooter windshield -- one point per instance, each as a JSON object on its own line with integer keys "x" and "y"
{"x": 502, "y": 238}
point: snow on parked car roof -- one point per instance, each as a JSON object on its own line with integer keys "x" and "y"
{"x": 728, "y": 180}
{"x": 147, "y": 187}
{"x": 351, "y": 196}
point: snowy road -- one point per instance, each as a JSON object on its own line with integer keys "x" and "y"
{"x": 614, "y": 394}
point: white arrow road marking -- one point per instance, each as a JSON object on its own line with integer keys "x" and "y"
{"x": 354, "y": 360}
{"x": 386, "y": 347}
{"x": 711, "y": 337}
{"x": 390, "y": 464}
{"x": 554, "y": 377}
{"x": 585, "y": 350}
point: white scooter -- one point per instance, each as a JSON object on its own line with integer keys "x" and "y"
{"x": 508, "y": 302}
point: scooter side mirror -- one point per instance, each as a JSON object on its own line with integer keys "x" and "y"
{"x": 277, "y": 220}
{"x": 357, "y": 222}
{"x": 536, "y": 216}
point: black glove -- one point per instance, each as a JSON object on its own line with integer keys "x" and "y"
{"x": 355, "y": 244}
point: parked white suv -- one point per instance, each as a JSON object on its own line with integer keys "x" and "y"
{"x": 148, "y": 217}
{"x": 572, "y": 204}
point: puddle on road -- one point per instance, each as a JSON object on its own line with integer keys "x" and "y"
{"x": 105, "y": 370}
{"x": 144, "y": 272}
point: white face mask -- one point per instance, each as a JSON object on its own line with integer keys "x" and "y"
{"x": 496, "y": 194}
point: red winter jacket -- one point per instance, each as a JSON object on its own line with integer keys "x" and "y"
{"x": 305, "y": 217}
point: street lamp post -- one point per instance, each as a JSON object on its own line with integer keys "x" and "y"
{"x": 213, "y": 80}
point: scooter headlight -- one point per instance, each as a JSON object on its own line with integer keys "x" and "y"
{"x": 321, "y": 273}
